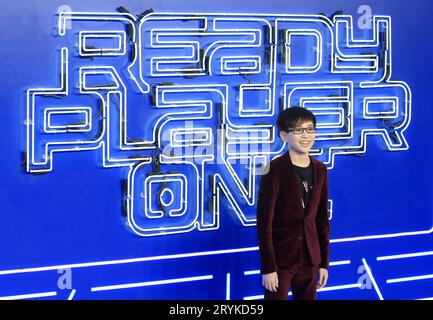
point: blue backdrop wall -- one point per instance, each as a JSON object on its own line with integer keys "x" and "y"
{"x": 132, "y": 141}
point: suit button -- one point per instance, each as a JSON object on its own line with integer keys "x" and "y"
{"x": 300, "y": 238}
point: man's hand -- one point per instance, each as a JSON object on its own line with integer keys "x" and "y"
{"x": 323, "y": 278}
{"x": 270, "y": 281}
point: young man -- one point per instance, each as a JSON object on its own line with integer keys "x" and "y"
{"x": 292, "y": 214}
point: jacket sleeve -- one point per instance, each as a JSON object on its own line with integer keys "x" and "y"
{"x": 268, "y": 193}
{"x": 322, "y": 224}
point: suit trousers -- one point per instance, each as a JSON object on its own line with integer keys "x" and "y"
{"x": 302, "y": 280}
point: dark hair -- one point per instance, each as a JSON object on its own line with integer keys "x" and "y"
{"x": 294, "y": 116}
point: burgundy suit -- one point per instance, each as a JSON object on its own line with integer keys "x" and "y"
{"x": 289, "y": 239}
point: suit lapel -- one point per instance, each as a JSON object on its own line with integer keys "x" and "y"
{"x": 294, "y": 184}
{"x": 316, "y": 189}
{"x": 292, "y": 180}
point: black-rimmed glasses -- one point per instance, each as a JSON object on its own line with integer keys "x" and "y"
{"x": 299, "y": 130}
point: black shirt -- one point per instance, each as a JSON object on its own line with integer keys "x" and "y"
{"x": 304, "y": 176}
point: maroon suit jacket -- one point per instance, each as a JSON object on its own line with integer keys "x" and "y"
{"x": 282, "y": 224}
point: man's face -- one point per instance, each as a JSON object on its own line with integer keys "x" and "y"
{"x": 299, "y": 143}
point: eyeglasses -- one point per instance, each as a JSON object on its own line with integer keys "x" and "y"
{"x": 299, "y": 130}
